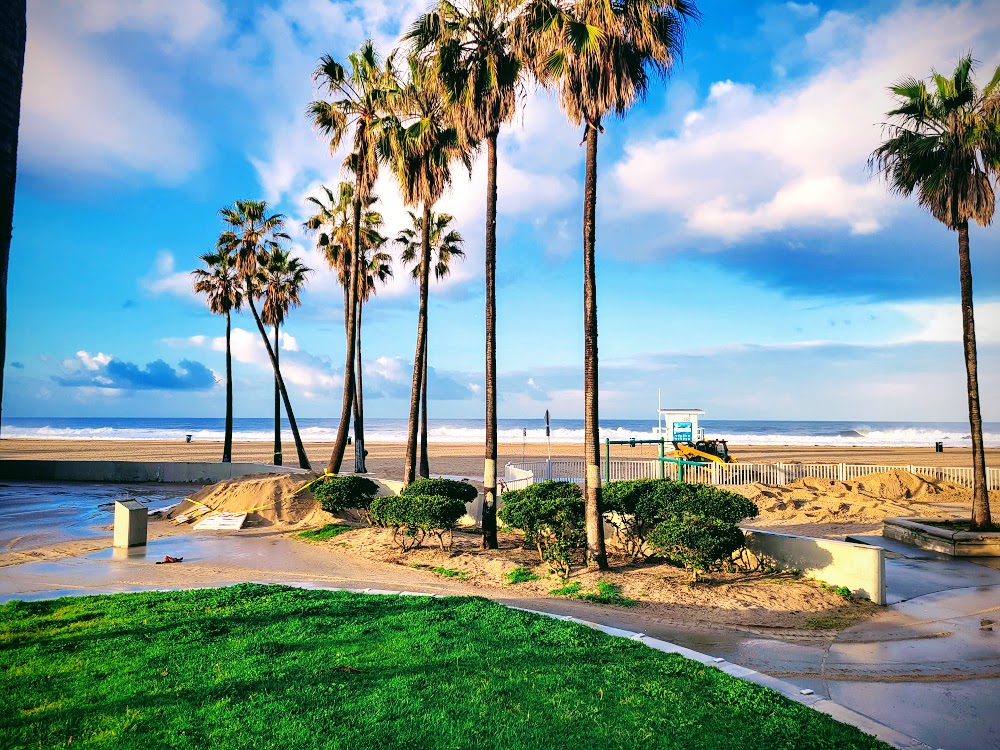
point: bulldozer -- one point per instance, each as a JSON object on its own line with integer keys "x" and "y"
{"x": 680, "y": 427}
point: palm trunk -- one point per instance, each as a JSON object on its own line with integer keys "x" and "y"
{"x": 489, "y": 521}
{"x": 299, "y": 449}
{"x": 13, "y": 32}
{"x": 340, "y": 444}
{"x": 425, "y": 466}
{"x": 359, "y": 409}
{"x": 980, "y": 497}
{"x": 277, "y": 402}
{"x": 596, "y": 554}
{"x": 227, "y": 445}
{"x": 409, "y": 472}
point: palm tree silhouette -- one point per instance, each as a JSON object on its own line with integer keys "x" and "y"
{"x": 223, "y": 288}
{"x": 944, "y": 144}
{"x": 445, "y": 245}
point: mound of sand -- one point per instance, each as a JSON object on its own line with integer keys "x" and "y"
{"x": 867, "y": 499}
{"x": 268, "y": 500}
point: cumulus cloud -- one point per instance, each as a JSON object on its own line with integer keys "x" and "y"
{"x": 942, "y": 321}
{"x": 752, "y": 161}
{"x": 164, "y": 278}
{"x": 102, "y": 371}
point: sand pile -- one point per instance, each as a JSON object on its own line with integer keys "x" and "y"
{"x": 268, "y": 499}
{"x": 867, "y": 499}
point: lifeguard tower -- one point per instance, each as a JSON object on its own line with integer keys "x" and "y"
{"x": 680, "y": 427}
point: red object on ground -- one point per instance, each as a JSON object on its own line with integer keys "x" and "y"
{"x": 169, "y": 559}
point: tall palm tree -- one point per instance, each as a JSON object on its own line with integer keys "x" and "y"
{"x": 280, "y": 278}
{"x": 336, "y": 218}
{"x": 13, "y": 33}
{"x": 598, "y": 56}
{"x": 420, "y": 144}
{"x": 473, "y": 47}
{"x": 251, "y": 234}
{"x": 445, "y": 245}
{"x": 356, "y": 106}
{"x": 223, "y": 288}
{"x": 944, "y": 143}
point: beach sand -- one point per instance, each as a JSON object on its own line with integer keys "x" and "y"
{"x": 461, "y": 459}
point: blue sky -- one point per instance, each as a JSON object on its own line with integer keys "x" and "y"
{"x": 747, "y": 264}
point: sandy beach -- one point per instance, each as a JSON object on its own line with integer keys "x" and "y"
{"x": 462, "y": 459}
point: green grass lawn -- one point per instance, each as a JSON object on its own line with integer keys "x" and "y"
{"x": 273, "y": 667}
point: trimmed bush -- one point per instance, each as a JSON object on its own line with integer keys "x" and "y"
{"x": 699, "y": 543}
{"x": 679, "y": 498}
{"x": 551, "y": 515}
{"x": 413, "y": 517}
{"x": 445, "y": 487}
{"x": 340, "y": 493}
{"x": 632, "y": 506}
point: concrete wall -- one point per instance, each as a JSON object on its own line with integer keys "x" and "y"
{"x": 860, "y": 567}
{"x": 134, "y": 471}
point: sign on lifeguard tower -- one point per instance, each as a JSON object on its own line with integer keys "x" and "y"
{"x": 680, "y": 425}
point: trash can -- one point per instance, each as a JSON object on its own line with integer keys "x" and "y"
{"x": 939, "y": 447}
{"x": 131, "y": 518}
{"x": 187, "y": 438}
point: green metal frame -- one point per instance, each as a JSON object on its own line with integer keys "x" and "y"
{"x": 681, "y": 463}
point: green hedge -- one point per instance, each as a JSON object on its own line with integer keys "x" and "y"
{"x": 347, "y": 491}
{"x": 551, "y": 515}
{"x": 699, "y": 543}
{"x": 413, "y": 517}
{"x": 445, "y": 487}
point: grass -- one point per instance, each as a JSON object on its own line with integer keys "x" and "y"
{"x": 461, "y": 575}
{"x": 840, "y": 590}
{"x": 324, "y": 532}
{"x": 276, "y": 667}
{"x": 606, "y": 593}
{"x": 520, "y": 575}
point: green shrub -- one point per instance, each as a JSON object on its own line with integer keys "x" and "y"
{"x": 412, "y": 517}
{"x": 632, "y": 506}
{"x": 680, "y": 498}
{"x": 445, "y": 487}
{"x": 699, "y": 543}
{"x": 324, "y": 532}
{"x": 552, "y": 518}
{"x": 345, "y": 491}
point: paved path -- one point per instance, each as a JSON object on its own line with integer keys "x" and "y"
{"x": 928, "y": 665}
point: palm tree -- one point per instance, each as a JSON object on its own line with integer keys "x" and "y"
{"x": 13, "y": 33}
{"x": 251, "y": 234}
{"x": 420, "y": 143}
{"x": 598, "y": 56}
{"x": 337, "y": 216}
{"x": 944, "y": 143}
{"x": 356, "y": 106}
{"x": 445, "y": 245}
{"x": 473, "y": 48}
{"x": 280, "y": 278}
{"x": 223, "y": 287}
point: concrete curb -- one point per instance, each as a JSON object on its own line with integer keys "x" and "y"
{"x": 835, "y": 710}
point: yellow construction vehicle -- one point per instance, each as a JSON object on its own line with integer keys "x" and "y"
{"x": 680, "y": 427}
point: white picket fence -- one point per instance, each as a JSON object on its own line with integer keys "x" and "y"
{"x": 518, "y": 475}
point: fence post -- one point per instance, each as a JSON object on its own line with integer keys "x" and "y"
{"x": 663, "y": 466}
{"x": 715, "y": 475}
{"x": 548, "y": 469}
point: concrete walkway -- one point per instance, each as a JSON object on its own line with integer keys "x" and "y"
{"x": 928, "y": 666}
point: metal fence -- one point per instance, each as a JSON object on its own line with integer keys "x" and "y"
{"x": 518, "y": 475}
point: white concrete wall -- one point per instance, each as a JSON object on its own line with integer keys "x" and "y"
{"x": 134, "y": 471}
{"x": 860, "y": 567}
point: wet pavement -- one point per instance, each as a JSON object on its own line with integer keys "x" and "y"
{"x": 928, "y": 665}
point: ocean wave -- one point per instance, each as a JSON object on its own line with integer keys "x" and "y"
{"x": 451, "y": 433}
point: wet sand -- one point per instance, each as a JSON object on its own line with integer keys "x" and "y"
{"x": 463, "y": 459}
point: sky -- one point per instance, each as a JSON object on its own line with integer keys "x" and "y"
{"x": 747, "y": 262}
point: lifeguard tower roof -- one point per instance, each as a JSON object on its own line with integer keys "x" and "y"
{"x": 682, "y": 411}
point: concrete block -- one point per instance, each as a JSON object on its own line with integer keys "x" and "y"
{"x": 860, "y": 567}
{"x": 131, "y": 519}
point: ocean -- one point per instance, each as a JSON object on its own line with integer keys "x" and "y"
{"x": 739, "y": 432}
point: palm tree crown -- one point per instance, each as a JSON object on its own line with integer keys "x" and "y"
{"x": 279, "y": 280}
{"x": 944, "y": 144}
{"x": 219, "y": 282}
{"x": 445, "y": 244}
{"x": 251, "y": 232}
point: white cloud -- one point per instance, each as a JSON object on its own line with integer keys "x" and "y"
{"x": 943, "y": 321}
{"x": 164, "y": 278}
{"x": 179, "y": 21}
{"x": 288, "y": 342}
{"x": 85, "y": 361}
{"x": 751, "y": 161}
{"x": 82, "y": 113}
